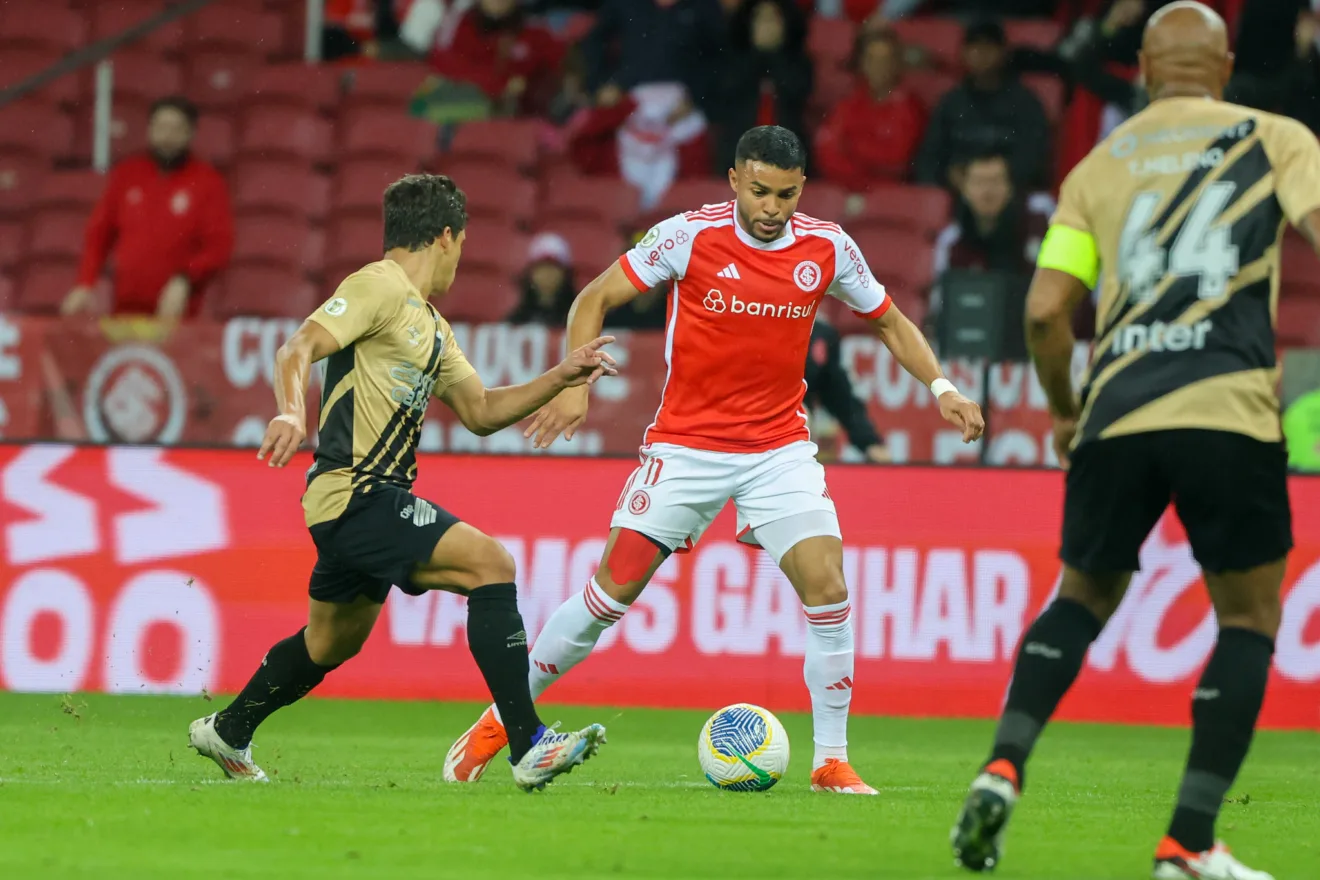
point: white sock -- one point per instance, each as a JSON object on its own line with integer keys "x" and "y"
{"x": 570, "y": 634}
{"x": 829, "y": 670}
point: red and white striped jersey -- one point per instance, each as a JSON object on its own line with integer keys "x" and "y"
{"x": 739, "y": 323}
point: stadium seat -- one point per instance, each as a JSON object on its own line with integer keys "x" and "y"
{"x": 222, "y": 25}
{"x": 832, "y": 84}
{"x": 35, "y": 127}
{"x": 214, "y": 140}
{"x": 57, "y": 232}
{"x": 1299, "y": 322}
{"x": 824, "y": 201}
{"x": 285, "y": 133}
{"x": 906, "y": 207}
{"x": 903, "y": 261}
{"x": 1299, "y": 262}
{"x": 20, "y": 181}
{"x": 570, "y": 196}
{"x": 270, "y": 240}
{"x": 262, "y": 291}
{"x": 1033, "y": 33}
{"x": 76, "y": 190}
{"x": 830, "y": 40}
{"x": 219, "y": 79}
{"x": 128, "y": 131}
{"x": 507, "y": 143}
{"x": 595, "y": 245}
{"x": 1049, "y": 89}
{"x": 292, "y": 190}
{"x": 138, "y": 76}
{"x": 16, "y": 65}
{"x": 500, "y": 198}
{"x": 43, "y": 284}
{"x": 41, "y": 26}
{"x": 12, "y": 234}
{"x": 690, "y": 195}
{"x": 110, "y": 19}
{"x": 929, "y": 85}
{"x": 385, "y": 133}
{"x": 383, "y": 85}
{"x": 494, "y": 250}
{"x": 941, "y": 37}
{"x": 311, "y": 86}
{"x": 358, "y": 186}
{"x": 480, "y": 297}
{"x": 352, "y": 241}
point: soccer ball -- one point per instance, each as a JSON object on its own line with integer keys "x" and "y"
{"x": 743, "y": 748}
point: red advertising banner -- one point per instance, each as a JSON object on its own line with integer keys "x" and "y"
{"x": 209, "y": 384}
{"x": 143, "y": 570}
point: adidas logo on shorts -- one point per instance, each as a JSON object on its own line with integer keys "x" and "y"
{"x": 423, "y": 513}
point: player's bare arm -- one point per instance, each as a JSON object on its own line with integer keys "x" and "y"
{"x": 566, "y": 412}
{"x": 914, "y": 354}
{"x": 483, "y": 411}
{"x": 293, "y": 363}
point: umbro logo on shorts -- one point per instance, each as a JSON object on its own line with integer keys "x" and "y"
{"x": 423, "y": 513}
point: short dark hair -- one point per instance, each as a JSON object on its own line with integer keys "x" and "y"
{"x": 419, "y": 208}
{"x": 988, "y": 154}
{"x": 773, "y": 145}
{"x": 176, "y": 102}
{"x": 987, "y": 30}
{"x": 866, "y": 36}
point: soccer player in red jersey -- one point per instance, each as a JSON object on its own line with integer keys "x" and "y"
{"x": 746, "y": 279}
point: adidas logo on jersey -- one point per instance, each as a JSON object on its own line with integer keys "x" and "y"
{"x": 423, "y": 513}
{"x": 729, "y": 271}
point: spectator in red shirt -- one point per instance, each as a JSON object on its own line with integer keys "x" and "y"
{"x": 872, "y": 136}
{"x": 166, "y": 214}
{"x": 493, "y": 47}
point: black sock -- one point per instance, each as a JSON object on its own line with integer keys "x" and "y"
{"x": 285, "y": 675}
{"x": 1224, "y": 708}
{"x": 498, "y": 642}
{"x": 1047, "y": 664}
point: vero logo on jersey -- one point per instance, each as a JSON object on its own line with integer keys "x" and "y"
{"x": 715, "y": 302}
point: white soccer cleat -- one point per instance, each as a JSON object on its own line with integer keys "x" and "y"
{"x": 237, "y": 763}
{"x": 556, "y": 753}
{"x": 1173, "y": 862}
{"x": 978, "y": 835}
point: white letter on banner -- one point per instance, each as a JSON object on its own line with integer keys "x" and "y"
{"x": 165, "y": 597}
{"x": 716, "y": 617}
{"x": 188, "y": 512}
{"x": 37, "y": 592}
{"x": 1294, "y": 658}
{"x": 65, "y": 523}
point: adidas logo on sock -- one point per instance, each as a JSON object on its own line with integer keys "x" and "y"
{"x": 729, "y": 271}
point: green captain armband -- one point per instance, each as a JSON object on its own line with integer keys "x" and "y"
{"x": 1072, "y": 251}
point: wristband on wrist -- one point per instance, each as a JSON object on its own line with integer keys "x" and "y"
{"x": 941, "y": 386}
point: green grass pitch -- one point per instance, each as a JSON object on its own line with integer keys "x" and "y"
{"x": 105, "y": 787}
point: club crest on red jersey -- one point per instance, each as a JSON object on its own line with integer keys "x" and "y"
{"x": 807, "y": 276}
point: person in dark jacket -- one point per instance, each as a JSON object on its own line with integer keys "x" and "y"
{"x": 829, "y": 386}
{"x": 647, "y": 41}
{"x": 768, "y": 76}
{"x": 990, "y": 108}
{"x": 1278, "y": 60}
{"x": 547, "y": 288}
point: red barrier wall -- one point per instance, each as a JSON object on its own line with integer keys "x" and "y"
{"x": 143, "y": 570}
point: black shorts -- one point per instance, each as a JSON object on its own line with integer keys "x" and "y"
{"x": 376, "y": 543}
{"x": 1230, "y": 491}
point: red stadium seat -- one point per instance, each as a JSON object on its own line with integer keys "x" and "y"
{"x": 387, "y": 85}
{"x": 263, "y": 291}
{"x": 824, "y": 201}
{"x": 929, "y": 85}
{"x": 902, "y": 261}
{"x": 222, "y": 25}
{"x": 830, "y": 40}
{"x": 359, "y": 185}
{"x": 479, "y": 297}
{"x": 594, "y": 245}
{"x": 495, "y": 250}
{"x": 41, "y": 26}
{"x": 285, "y": 133}
{"x": 1049, "y": 89}
{"x": 220, "y": 79}
{"x": 386, "y": 133}
{"x": 570, "y": 196}
{"x": 507, "y": 143}
{"x": 294, "y": 191}
{"x": 312, "y": 86}
{"x": 941, "y": 37}
{"x": 352, "y": 241}
{"x": 500, "y": 198}
{"x": 78, "y": 190}
{"x": 42, "y": 284}
{"x": 1299, "y": 322}
{"x": 905, "y": 207}
{"x": 57, "y": 232}
{"x": 1299, "y": 260}
{"x": 42, "y": 129}
{"x": 691, "y": 195}
{"x": 20, "y": 181}
{"x": 832, "y": 85}
{"x": 1033, "y": 33}
{"x": 16, "y": 65}
{"x": 214, "y": 140}
{"x": 270, "y": 240}
{"x": 110, "y": 19}
{"x": 12, "y": 235}
{"x": 138, "y": 76}
{"x": 128, "y": 131}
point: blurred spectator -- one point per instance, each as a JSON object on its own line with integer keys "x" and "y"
{"x": 895, "y": 9}
{"x": 872, "y": 135}
{"x": 355, "y": 27}
{"x": 636, "y": 42}
{"x": 1278, "y": 59}
{"x": 768, "y": 76}
{"x": 645, "y": 312}
{"x": 547, "y": 283}
{"x": 993, "y": 230}
{"x": 649, "y": 137}
{"x": 167, "y": 216}
{"x": 493, "y": 46}
{"x": 990, "y": 108}
{"x": 828, "y": 386}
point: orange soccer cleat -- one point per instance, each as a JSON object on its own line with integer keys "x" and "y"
{"x": 473, "y": 751}
{"x": 839, "y": 777}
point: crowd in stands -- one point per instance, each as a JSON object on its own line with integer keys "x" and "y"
{"x": 937, "y": 130}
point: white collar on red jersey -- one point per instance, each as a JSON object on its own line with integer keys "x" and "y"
{"x": 783, "y": 241}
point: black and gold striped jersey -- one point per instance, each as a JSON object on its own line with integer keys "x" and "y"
{"x": 396, "y": 351}
{"x": 1187, "y": 202}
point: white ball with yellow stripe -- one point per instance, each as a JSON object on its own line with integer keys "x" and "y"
{"x": 743, "y": 748}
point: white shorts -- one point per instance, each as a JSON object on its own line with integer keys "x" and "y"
{"x": 676, "y": 493}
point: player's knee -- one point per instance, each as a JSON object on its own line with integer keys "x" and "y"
{"x": 333, "y": 645}
{"x": 829, "y": 587}
{"x": 494, "y": 564}
{"x": 1262, "y": 614}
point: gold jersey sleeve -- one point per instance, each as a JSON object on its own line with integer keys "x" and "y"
{"x": 365, "y": 303}
{"x": 1295, "y": 155}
